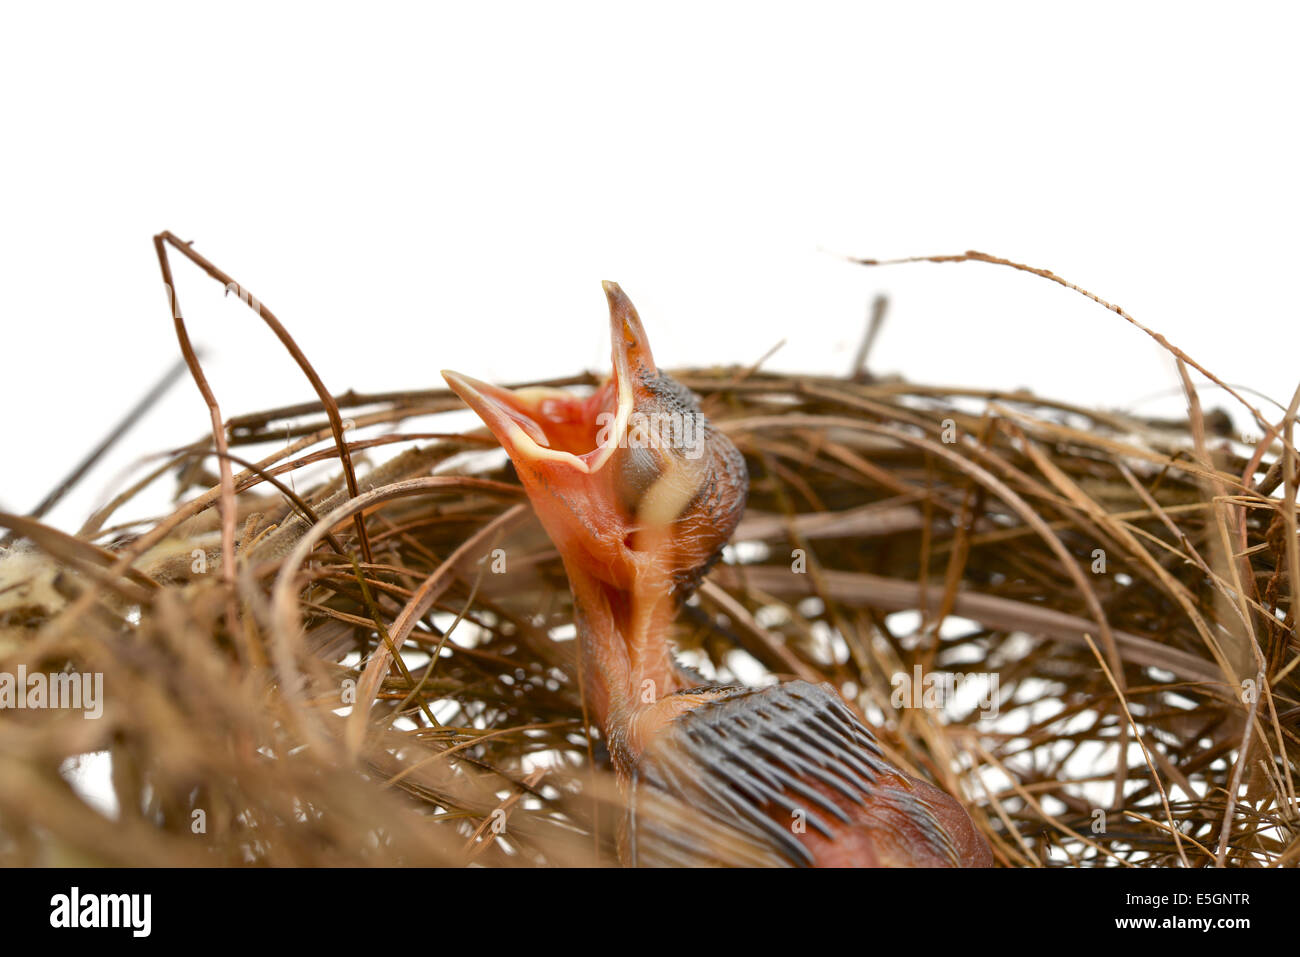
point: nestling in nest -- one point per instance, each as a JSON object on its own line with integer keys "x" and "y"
{"x": 1070, "y": 630}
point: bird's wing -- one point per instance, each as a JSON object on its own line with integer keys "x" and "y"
{"x": 774, "y": 762}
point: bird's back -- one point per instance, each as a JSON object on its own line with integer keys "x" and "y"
{"x": 791, "y": 774}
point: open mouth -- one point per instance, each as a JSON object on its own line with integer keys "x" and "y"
{"x": 539, "y": 424}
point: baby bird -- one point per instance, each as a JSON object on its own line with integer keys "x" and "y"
{"x": 640, "y": 493}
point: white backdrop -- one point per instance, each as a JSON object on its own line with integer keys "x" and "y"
{"x": 445, "y": 187}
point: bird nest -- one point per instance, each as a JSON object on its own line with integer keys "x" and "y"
{"x": 1078, "y": 622}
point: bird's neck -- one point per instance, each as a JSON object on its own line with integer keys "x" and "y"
{"x": 626, "y": 656}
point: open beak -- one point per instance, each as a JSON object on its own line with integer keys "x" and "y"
{"x": 564, "y": 448}
{"x": 541, "y": 425}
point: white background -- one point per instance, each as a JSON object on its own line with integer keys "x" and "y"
{"x": 411, "y": 187}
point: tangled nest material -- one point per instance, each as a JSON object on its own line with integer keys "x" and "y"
{"x": 380, "y": 669}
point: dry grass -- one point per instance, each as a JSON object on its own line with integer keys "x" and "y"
{"x": 1128, "y": 583}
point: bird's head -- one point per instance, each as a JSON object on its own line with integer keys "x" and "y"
{"x": 631, "y": 482}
